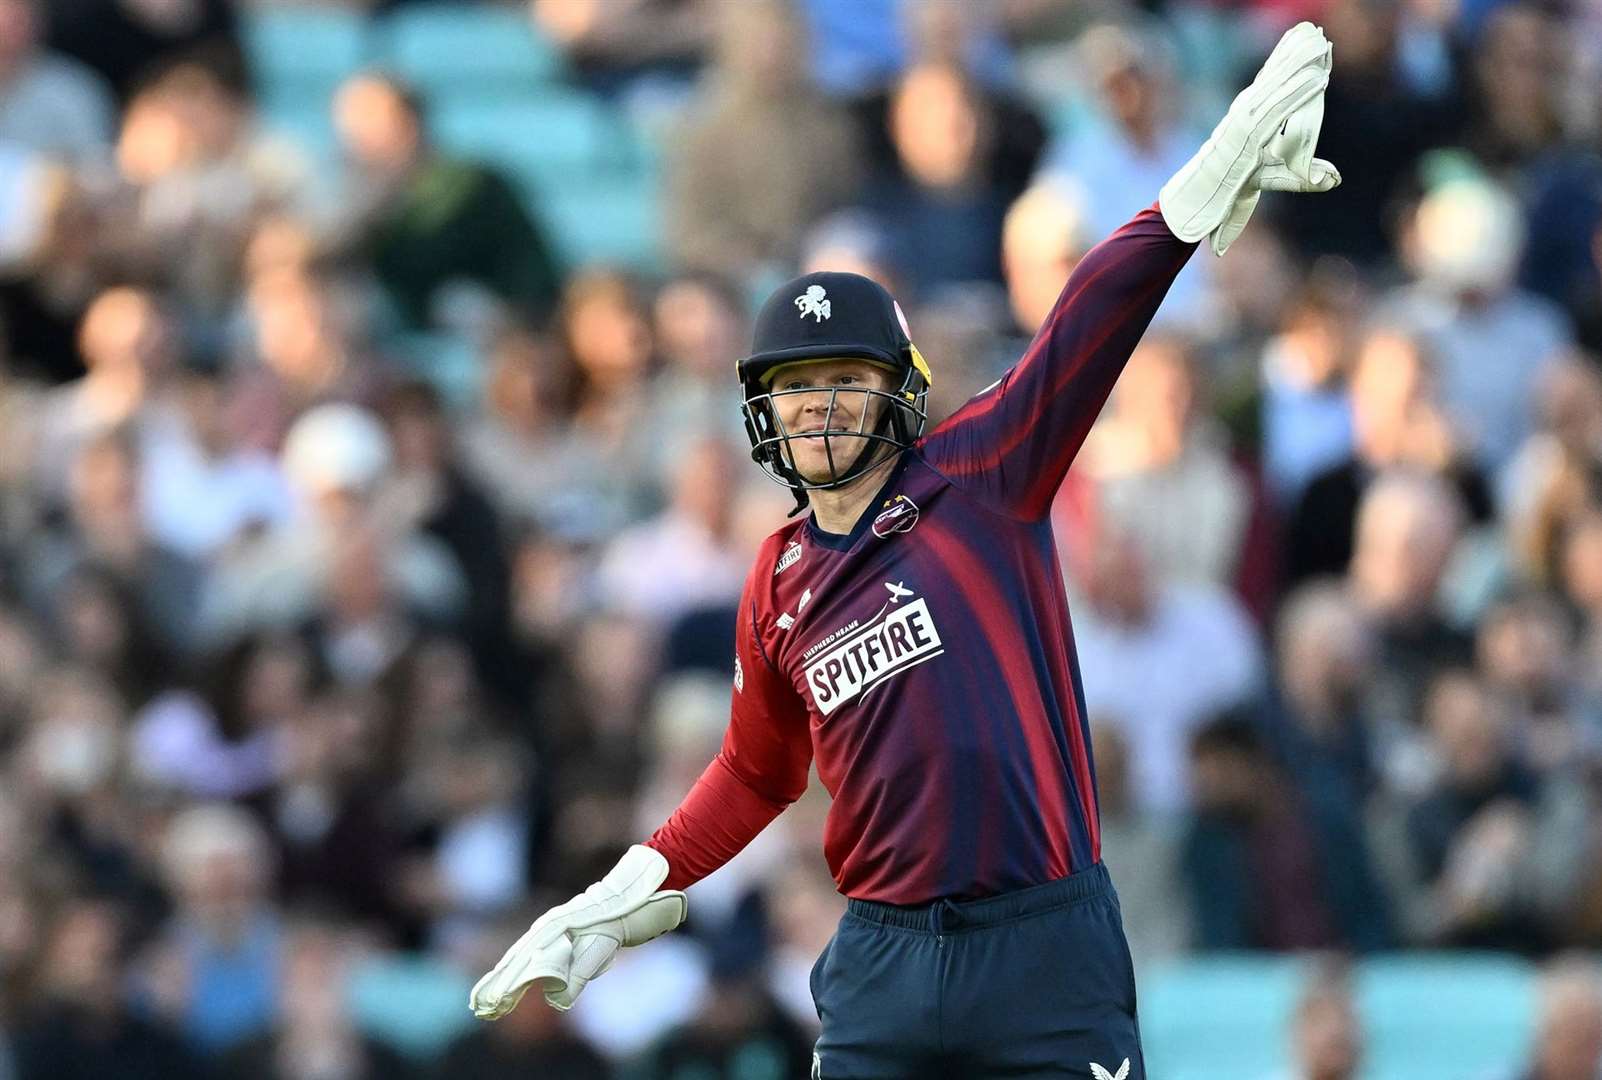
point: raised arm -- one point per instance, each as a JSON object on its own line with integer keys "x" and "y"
{"x": 1013, "y": 442}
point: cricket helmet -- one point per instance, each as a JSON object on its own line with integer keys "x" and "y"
{"x": 829, "y": 315}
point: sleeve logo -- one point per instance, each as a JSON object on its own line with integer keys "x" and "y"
{"x": 791, "y": 556}
{"x": 739, "y": 675}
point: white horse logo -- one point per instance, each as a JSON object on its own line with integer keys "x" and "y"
{"x": 813, "y": 302}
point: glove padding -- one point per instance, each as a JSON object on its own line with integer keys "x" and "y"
{"x": 1265, "y": 141}
{"x": 576, "y": 941}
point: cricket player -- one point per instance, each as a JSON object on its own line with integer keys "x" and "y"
{"x": 910, "y": 635}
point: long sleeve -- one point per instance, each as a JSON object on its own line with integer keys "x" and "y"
{"x": 1012, "y": 443}
{"x": 761, "y": 769}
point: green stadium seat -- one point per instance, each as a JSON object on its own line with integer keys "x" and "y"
{"x": 462, "y": 49}
{"x": 1445, "y": 1016}
{"x": 1219, "y": 1017}
{"x": 607, "y": 218}
{"x": 546, "y": 137}
{"x": 303, "y": 115}
{"x": 304, "y": 48}
{"x": 1424, "y": 1016}
{"x": 413, "y": 1004}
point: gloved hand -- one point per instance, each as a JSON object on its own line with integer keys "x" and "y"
{"x": 576, "y": 941}
{"x": 1264, "y": 142}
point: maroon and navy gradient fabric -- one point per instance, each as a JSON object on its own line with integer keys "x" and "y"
{"x": 926, "y": 661}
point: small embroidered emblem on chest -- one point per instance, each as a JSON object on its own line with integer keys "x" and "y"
{"x": 900, "y": 516}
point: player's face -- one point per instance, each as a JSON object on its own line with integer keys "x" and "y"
{"x": 828, "y": 395}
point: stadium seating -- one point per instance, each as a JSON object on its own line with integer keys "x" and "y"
{"x": 550, "y": 135}
{"x": 305, "y": 49}
{"x": 1448, "y": 1016}
{"x": 479, "y": 51}
{"x": 1424, "y": 1016}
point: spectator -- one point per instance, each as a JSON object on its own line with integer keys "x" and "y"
{"x": 338, "y": 834}
{"x": 1135, "y": 633}
{"x": 1557, "y": 474}
{"x": 638, "y": 44}
{"x": 1306, "y": 411}
{"x": 1484, "y": 857}
{"x": 1407, "y": 527}
{"x": 685, "y": 558}
{"x": 426, "y": 221}
{"x": 85, "y": 1026}
{"x": 522, "y": 446}
{"x": 1375, "y": 114}
{"x": 335, "y": 458}
{"x": 429, "y": 493}
{"x": 1317, "y": 725}
{"x": 1162, "y": 472}
{"x": 129, "y": 343}
{"x": 1514, "y": 108}
{"x": 1397, "y": 424}
{"x": 200, "y": 489}
{"x": 1464, "y": 242}
{"x": 1043, "y": 237}
{"x": 1525, "y": 651}
{"x": 316, "y": 1036}
{"x": 1128, "y": 146}
{"x": 940, "y": 203}
{"x": 226, "y": 741}
{"x": 218, "y": 969}
{"x": 743, "y": 214}
{"x": 104, "y": 530}
{"x": 605, "y": 328}
{"x": 201, "y": 176}
{"x": 1568, "y": 1041}
{"x": 49, "y": 102}
{"x": 1142, "y": 847}
{"x": 1253, "y": 852}
{"x": 739, "y": 1025}
{"x": 1326, "y": 1034}
{"x": 698, "y": 322}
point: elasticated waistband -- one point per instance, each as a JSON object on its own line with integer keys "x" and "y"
{"x": 947, "y": 916}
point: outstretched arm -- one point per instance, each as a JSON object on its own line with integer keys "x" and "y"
{"x": 1013, "y": 442}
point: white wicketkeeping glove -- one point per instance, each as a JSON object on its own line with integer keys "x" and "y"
{"x": 1264, "y": 142}
{"x": 576, "y": 941}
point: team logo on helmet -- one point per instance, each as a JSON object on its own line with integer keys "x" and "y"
{"x": 814, "y": 302}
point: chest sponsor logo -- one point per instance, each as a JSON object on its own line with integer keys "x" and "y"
{"x": 900, "y": 516}
{"x": 791, "y": 556}
{"x": 856, "y": 658}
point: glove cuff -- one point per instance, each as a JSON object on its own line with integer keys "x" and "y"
{"x": 638, "y": 874}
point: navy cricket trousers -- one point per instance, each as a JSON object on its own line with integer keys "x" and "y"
{"x": 1033, "y": 983}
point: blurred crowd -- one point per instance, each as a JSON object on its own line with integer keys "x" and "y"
{"x": 327, "y": 662}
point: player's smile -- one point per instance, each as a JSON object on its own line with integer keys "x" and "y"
{"x": 803, "y": 399}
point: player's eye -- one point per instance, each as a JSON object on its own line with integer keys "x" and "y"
{"x": 794, "y": 384}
